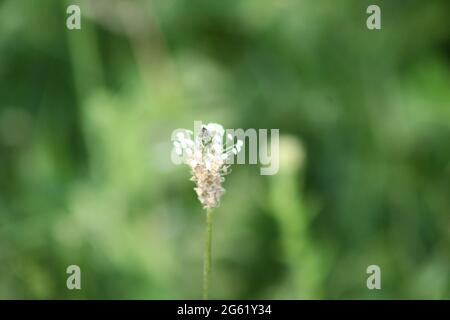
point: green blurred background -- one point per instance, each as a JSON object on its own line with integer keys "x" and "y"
{"x": 85, "y": 170}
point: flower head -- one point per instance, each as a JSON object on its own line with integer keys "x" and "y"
{"x": 206, "y": 155}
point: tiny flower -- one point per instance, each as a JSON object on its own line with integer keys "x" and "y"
{"x": 180, "y": 136}
{"x": 205, "y": 155}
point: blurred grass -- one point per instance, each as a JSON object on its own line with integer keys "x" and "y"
{"x": 86, "y": 177}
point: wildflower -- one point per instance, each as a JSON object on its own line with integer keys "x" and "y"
{"x": 207, "y": 157}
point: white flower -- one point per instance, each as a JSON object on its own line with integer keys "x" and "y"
{"x": 206, "y": 156}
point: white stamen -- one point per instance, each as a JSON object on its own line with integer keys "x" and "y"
{"x": 180, "y": 136}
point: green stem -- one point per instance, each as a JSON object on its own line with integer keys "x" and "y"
{"x": 207, "y": 254}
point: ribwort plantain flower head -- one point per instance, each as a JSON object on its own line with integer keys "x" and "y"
{"x": 207, "y": 157}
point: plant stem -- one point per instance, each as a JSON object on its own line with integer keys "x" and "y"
{"x": 207, "y": 254}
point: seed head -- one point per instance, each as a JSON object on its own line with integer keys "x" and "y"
{"x": 206, "y": 156}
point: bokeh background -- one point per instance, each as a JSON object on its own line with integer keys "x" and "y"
{"x": 85, "y": 170}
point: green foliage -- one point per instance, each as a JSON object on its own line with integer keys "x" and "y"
{"x": 85, "y": 171}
